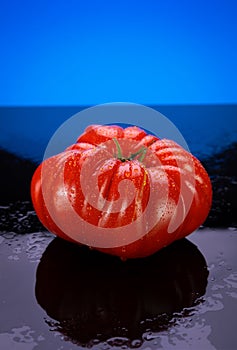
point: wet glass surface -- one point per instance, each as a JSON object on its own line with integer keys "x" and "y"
{"x": 57, "y": 295}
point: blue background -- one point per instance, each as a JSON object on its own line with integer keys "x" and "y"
{"x": 90, "y": 52}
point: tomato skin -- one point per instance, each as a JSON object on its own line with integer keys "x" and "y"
{"x": 40, "y": 207}
{"x": 97, "y": 134}
{"x": 153, "y": 172}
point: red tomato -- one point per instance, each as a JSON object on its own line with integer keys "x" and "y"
{"x": 122, "y": 191}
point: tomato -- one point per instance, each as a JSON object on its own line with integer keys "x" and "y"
{"x": 122, "y": 191}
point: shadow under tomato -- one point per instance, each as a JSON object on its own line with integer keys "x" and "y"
{"x": 95, "y": 297}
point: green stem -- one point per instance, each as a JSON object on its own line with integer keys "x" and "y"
{"x": 119, "y": 151}
{"x": 141, "y": 152}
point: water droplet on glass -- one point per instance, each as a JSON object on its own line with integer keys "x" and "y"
{"x": 232, "y": 228}
{"x": 123, "y": 258}
{"x": 148, "y": 336}
{"x": 136, "y": 343}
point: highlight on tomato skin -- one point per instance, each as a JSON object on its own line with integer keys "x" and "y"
{"x": 122, "y": 191}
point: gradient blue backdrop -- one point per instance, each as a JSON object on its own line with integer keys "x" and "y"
{"x": 88, "y": 52}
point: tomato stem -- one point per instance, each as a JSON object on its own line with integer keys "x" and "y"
{"x": 141, "y": 152}
{"x": 119, "y": 151}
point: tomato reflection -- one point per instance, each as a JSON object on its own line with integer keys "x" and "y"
{"x": 94, "y": 297}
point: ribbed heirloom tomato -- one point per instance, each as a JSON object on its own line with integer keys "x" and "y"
{"x": 122, "y": 191}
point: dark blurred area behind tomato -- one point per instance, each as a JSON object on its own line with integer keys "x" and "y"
{"x": 210, "y": 131}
